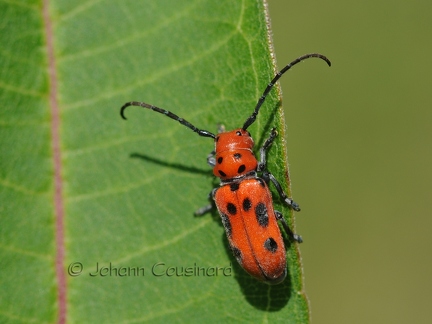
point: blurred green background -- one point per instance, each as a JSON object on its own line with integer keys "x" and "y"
{"x": 359, "y": 147}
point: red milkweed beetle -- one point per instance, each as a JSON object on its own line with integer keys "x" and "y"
{"x": 243, "y": 199}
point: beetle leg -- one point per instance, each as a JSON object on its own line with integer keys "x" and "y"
{"x": 262, "y": 165}
{"x": 292, "y": 236}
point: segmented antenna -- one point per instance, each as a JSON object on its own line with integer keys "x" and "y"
{"x": 261, "y": 100}
{"x": 167, "y": 113}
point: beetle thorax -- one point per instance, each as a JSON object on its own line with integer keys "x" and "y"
{"x": 234, "y": 156}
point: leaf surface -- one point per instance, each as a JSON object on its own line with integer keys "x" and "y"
{"x": 129, "y": 188}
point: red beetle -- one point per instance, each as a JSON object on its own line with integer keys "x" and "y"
{"x": 243, "y": 199}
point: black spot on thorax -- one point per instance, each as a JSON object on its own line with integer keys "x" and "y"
{"x": 223, "y": 174}
{"x": 241, "y": 168}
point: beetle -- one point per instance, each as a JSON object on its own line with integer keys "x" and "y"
{"x": 243, "y": 199}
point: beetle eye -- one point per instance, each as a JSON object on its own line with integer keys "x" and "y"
{"x": 238, "y": 133}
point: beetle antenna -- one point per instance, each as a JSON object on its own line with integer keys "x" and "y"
{"x": 167, "y": 113}
{"x": 261, "y": 100}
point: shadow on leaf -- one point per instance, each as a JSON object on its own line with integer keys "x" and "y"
{"x": 177, "y": 166}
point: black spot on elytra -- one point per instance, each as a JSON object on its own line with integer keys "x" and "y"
{"x": 261, "y": 214}
{"x": 234, "y": 186}
{"x": 219, "y": 160}
{"x": 237, "y": 254}
{"x": 247, "y": 205}
{"x": 227, "y": 224}
{"x": 270, "y": 245}
{"x": 232, "y": 209}
{"x": 237, "y": 156}
{"x": 241, "y": 168}
{"x": 223, "y": 174}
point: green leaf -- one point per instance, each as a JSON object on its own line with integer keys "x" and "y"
{"x": 81, "y": 187}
